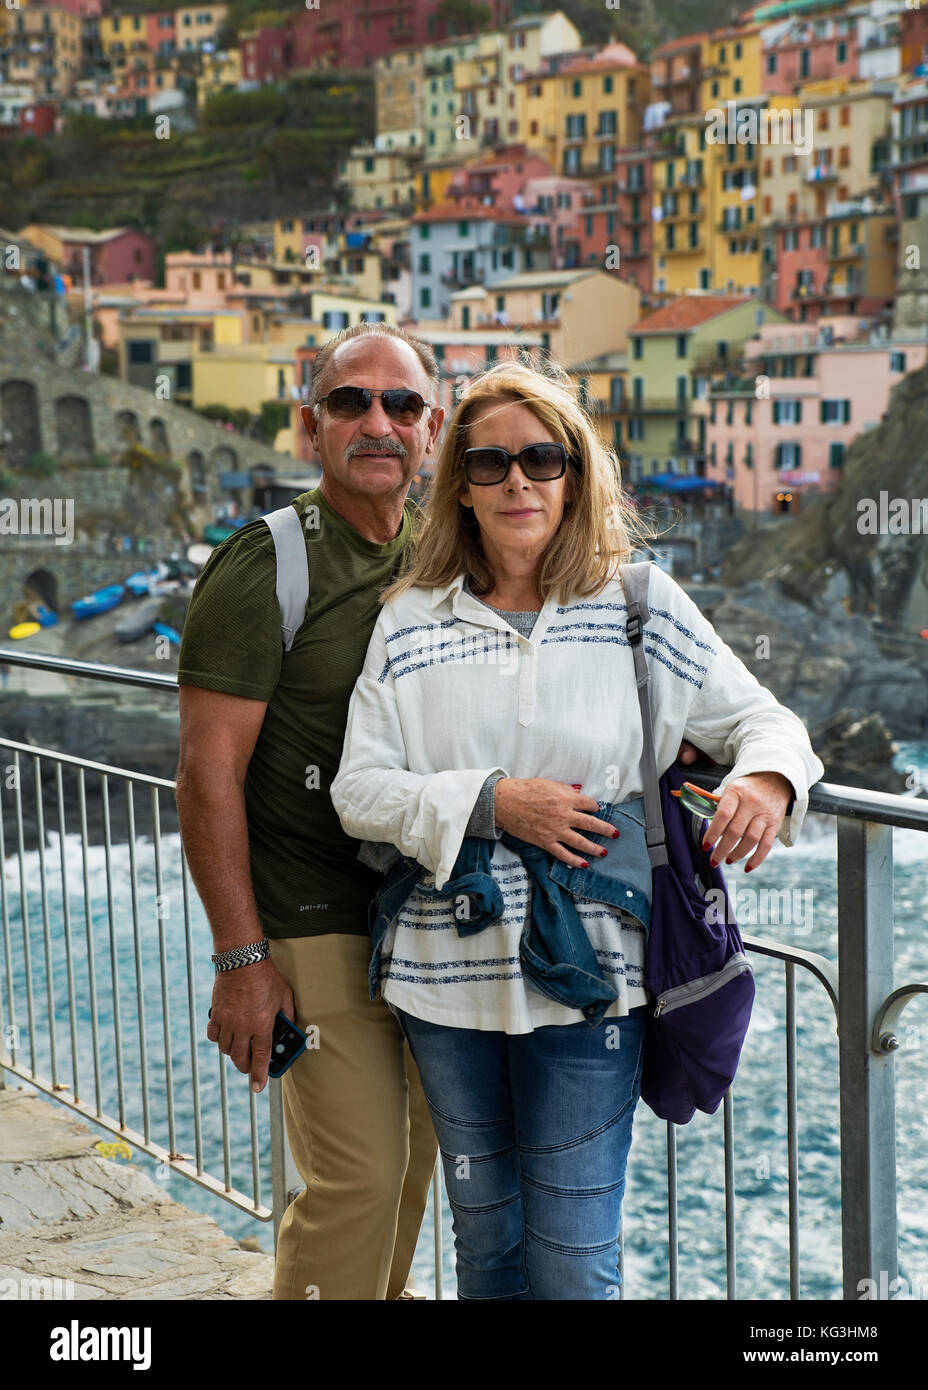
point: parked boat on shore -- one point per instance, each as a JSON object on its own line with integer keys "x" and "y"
{"x": 101, "y": 601}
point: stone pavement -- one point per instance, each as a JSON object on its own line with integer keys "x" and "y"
{"x": 69, "y": 1214}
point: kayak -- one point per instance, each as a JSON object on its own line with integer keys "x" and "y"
{"x": 25, "y": 630}
{"x": 138, "y": 620}
{"x": 163, "y": 630}
{"x": 99, "y": 602}
{"x": 45, "y": 616}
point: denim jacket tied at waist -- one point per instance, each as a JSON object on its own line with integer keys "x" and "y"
{"x": 555, "y": 951}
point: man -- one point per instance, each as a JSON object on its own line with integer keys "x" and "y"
{"x": 261, "y": 739}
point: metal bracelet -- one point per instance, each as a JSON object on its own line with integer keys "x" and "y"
{"x": 241, "y": 955}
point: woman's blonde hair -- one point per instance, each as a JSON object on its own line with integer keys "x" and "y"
{"x": 599, "y": 528}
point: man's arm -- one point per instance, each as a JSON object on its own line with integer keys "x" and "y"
{"x": 218, "y": 733}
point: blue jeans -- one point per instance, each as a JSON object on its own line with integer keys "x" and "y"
{"x": 534, "y": 1131}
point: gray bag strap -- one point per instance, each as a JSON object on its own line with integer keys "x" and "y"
{"x": 292, "y": 570}
{"x": 635, "y": 582}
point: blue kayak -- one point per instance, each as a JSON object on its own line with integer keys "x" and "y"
{"x": 99, "y": 602}
{"x": 45, "y": 616}
{"x": 163, "y": 630}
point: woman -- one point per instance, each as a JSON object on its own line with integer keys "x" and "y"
{"x": 498, "y": 697}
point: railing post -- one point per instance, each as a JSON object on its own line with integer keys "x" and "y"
{"x": 867, "y": 1094}
{"x": 285, "y": 1180}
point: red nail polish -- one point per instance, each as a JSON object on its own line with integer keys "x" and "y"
{"x": 601, "y": 853}
{"x": 714, "y": 863}
{"x": 615, "y": 834}
{"x": 728, "y": 861}
{"x": 707, "y": 845}
{"x": 747, "y": 868}
{"x": 584, "y": 864}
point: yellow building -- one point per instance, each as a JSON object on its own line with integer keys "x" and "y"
{"x": 218, "y": 71}
{"x": 707, "y": 232}
{"x": 195, "y": 25}
{"x": 578, "y": 313}
{"x": 732, "y": 67}
{"x": 398, "y": 90}
{"x": 43, "y": 50}
{"x": 603, "y": 382}
{"x": 845, "y": 120}
{"x": 487, "y": 84}
{"x": 379, "y": 178}
{"x": 594, "y": 107}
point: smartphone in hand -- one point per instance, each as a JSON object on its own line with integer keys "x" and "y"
{"x": 287, "y": 1043}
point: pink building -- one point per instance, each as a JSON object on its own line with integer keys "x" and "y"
{"x": 800, "y": 55}
{"x": 500, "y": 182}
{"x": 86, "y": 9}
{"x": 807, "y": 393}
{"x": 357, "y": 34}
{"x": 562, "y": 202}
{"x": 266, "y": 54}
{"x": 117, "y": 255}
{"x": 802, "y": 268}
{"x": 160, "y": 31}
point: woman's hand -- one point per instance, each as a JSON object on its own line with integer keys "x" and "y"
{"x": 749, "y": 814}
{"x": 547, "y": 814}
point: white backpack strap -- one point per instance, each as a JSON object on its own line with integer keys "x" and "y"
{"x": 635, "y": 581}
{"x": 292, "y": 570}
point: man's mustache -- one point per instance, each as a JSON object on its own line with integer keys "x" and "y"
{"x": 378, "y": 446}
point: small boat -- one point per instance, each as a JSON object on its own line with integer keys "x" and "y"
{"x": 101, "y": 601}
{"x": 198, "y": 554}
{"x": 46, "y": 617}
{"x": 220, "y": 531}
{"x": 138, "y": 620}
{"x": 25, "y": 630}
{"x": 163, "y": 630}
{"x": 138, "y": 583}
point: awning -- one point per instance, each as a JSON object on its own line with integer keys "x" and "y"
{"x": 676, "y": 482}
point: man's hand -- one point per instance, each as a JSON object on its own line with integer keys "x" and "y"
{"x": 749, "y": 814}
{"x": 245, "y": 1004}
{"x": 689, "y": 753}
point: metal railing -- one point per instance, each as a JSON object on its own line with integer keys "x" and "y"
{"x": 168, "y": 1075}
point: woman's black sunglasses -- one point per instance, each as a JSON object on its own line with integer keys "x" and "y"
{"x": 351, "y": 402}
{"x": 541, "y": 463}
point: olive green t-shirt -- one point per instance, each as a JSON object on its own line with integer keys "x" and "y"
{"x": 305, "y": 872}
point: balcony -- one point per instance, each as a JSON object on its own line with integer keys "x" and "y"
{"x": 823, "y": 173}
{"x": 851, "y": 252}
{"x": 696, "y": 250}
{"x": 692, "y": 179}
{"x": 456, "y": 279}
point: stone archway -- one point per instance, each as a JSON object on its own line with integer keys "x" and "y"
{"x": 127, "y": 428}
{"x": 198, "y": 480}
{"x": 159, "y": 438}
{"x": 43, "y": 583}
{"x": 74, "y": 428}
{"x": 20, "y": 431}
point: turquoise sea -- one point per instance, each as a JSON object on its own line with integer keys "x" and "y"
{"x": 807, "y": 871}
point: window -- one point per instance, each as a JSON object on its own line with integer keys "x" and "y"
{"x": 424, "y": 231}
{"x": 463, "y": 229}
{"x": 817, "y": 235}
{"x": 141, "y": 351}
{"x": 771, "y": 62}
{"x": 835, "y": 412}
{"x": 823, "y": 118}
{"x": 637, "y": 348}
{"x": 844, "y": 156}
{"x": 681, "y": 344}
{"x": 638, "y": 391}
{"x": 616, "y": 393}
{"x": 425, "y": 263}
{"x": 681, "y": 391}
{"x": 636, "y": 428}
{"x": 845, "y": 116}
{"x": 791, "y": 239}
{"x": 729, "y": 412}
{"x": 425, "y": 297}
{"x": 787, "y": 412}
{"x": 841, "y": 53}
{"x": 897, "y": 361}
{"x": 804, "y": 62}
{"x": 836, "y": 454}
{"x": 748, "y": 411}
{"x": 788, "y": 456}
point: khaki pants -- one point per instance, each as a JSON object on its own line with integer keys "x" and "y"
{"x": 359, "y": 1131}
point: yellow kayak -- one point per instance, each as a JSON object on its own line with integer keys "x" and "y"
{"x": 25, "y": 629}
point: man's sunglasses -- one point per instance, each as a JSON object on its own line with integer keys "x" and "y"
{"x": 351, "y": 402}
{"x": 541, "y": 463}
